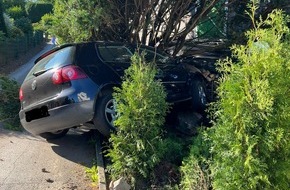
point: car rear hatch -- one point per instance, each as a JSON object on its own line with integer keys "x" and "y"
{"x": 39, "y": 85}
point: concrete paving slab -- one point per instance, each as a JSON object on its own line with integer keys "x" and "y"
{"x": 29, "y": 162}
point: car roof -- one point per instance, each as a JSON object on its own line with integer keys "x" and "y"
{"x": 105, "y": 43}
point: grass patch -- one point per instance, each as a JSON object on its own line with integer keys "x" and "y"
{"x": 92, "y": 173}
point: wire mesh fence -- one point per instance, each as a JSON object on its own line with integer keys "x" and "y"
{"x": 11, "y": 49}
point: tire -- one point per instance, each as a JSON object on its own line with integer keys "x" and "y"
{"x": 105, "y": 114}
{"x": 199, "y": 98}
{"x": 54, "y": 135}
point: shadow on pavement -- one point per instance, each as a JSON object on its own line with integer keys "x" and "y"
{"x": 76, "y": 146}
{"x": 18, "y": 134}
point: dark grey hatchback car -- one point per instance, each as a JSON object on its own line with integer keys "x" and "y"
{"x": 72, "y": 85}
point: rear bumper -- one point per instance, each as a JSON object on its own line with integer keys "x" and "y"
{"x": 59, "y": 118}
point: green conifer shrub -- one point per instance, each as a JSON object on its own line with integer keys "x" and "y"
{"x": 250, "y": 136}
{"x": 195, "y": 167}
{"x": 248, "y": 146}
{"x": 141, "y": 107}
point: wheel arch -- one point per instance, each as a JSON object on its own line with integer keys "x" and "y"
{"x": 102, "y": 90}
{"x": 197, "y": 76}
{"x": 102, "y": 119}
{"x": 199, "y": 96}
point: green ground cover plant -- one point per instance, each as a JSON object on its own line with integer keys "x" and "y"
{"x": 92, "y": 173}
{"x": 195, "y": 167}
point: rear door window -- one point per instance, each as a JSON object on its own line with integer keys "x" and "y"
{"x": 153, "y": 56}
{"x": 112, "y": 53}
{"x": 57, "y": 59}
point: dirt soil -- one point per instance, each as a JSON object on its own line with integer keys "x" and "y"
{"x": 22, "y": 59}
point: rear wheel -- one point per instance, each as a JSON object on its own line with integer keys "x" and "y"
{"x": 199, "y": 98}
{"x": 54, "y": 135}
{"x": 105, "y": 114}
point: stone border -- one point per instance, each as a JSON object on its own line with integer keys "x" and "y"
{"x": 100, "y": 163}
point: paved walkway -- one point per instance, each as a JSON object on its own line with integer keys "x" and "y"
{"x": 32, "y": 163}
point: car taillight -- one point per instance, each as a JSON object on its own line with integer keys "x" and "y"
{"x": 67, "y": 74}
{"x": 20, "y": 94}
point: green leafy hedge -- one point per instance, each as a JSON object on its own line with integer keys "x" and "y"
{"x": 9, "y": 103}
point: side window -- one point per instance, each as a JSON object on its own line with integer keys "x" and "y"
{"x": 152, "y": 56}
{"x": 86, "y": 58}
{"x": 114, "y": 53}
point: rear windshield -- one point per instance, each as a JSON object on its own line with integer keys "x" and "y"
{"x": 57, "y": 59}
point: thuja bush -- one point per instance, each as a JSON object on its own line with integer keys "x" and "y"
{"x": 195, "y": 167}
{"x": 9, "y": 103}
{"x": 141, "y": 108}
{"x": 248, "y": 146}
{"x": 250, "y": 136}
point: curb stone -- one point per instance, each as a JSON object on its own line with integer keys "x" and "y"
{"x": 100, "y": 163}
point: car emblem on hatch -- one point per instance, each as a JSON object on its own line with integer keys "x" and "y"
{"x": 33, "y": 85}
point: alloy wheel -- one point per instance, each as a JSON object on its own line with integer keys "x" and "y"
{"x": 202, "y": 95}
{"x": 110, "y": 112}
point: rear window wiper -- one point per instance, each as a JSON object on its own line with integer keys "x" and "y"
{"x": 40, "y": 72}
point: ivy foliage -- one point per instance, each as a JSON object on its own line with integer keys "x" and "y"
{"x": 9, "y": 103}
{"x": 250, "y": 137}
{"x": 141, "y": 105}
